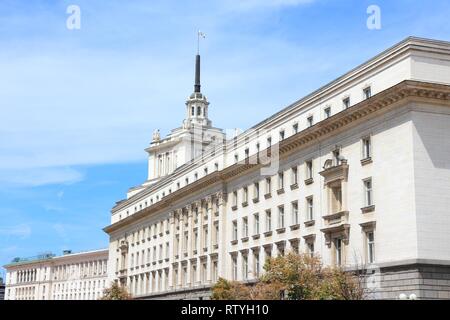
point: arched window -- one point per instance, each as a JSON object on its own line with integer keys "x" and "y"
{"x": 192, "y": 111}
{"x": 199, "y": 111}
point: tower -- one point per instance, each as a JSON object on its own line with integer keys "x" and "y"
{"x": 197, "y": 103}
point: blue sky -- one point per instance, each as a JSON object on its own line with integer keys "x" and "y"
{"x": 77, "y": 107}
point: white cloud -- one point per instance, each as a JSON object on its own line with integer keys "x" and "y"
{"x": 32, "y": 177}
{"x": 22, "y": 231}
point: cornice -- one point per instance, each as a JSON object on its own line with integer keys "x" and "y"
{"x": 384, "y": 101}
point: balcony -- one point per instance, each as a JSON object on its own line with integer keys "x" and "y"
{"x": 334, "y": 172}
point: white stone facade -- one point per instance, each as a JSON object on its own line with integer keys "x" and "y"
{"x": 73, "y": 276}
{"x": 359, "y": 174}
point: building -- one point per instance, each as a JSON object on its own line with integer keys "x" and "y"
{"x": 72, "y": 276}
{"x": 2, "y": 289}
{"x": 357, "y": 172}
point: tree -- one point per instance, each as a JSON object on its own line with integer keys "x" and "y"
{"x": 116, "y": 292}
{"x": 294, "y": 277}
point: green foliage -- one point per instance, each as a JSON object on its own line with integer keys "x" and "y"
{"x": 116, "y": 292}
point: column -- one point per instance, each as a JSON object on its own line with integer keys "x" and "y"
{"x": 171, "y": 247}
{"x": 222, "y": 238}
{"x": 209, "y": 213}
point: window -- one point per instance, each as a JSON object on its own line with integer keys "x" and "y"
{"x": 235, "y": 198}
{"x": 244, "y": 267}
{"x": 268, "y": 185}
{"x": 216, "y": 233}
{"x": 309, "y": 169}
{"x": 268, "y": 221}
{"x": 236, "y": 158}
{"x": 368, "y": 192}
{"x": 269, "y": 142}
{"x": 247, "y": 153}
{"x": 294, "y": 208}
{"x": 310, "y": 121}
{"x": 280, "y": 180}
{"x": 205, "y": 236}
{"x": 309, "y": 209}
{"x": 256, "y": 223}
{"x": 235, "y": 231}
{"x": 327, "y": 112}
{"x": 281, "y": 135}
{"x": 195, "y": 176}
{"x": 245, "y": 227}
{"x": 193, "y": 111}
{"x": 367, "y": 92}
{"x": 205, "y": 171}
{"x": 338, "y": 251}
{"x": 235, "y": 267}
{"x": 310, "y": 246}
{"x": 256, "y": 190}
{"x": 281, "y": 217}
{"x": 167, "y": 250}
{"x": 295, "y": 128}
{"x": 216, "y": 166}
{"x": 186, "y": 181}
{"x": 256, "y": 263}
{"x": 199, "y": 111}
{"x": 214, "y": 271}
{"x": 294, "y": 175}
{"x": 346, "y": 103}
{"x": 366, "y": 148}
{"x": 195, "y": 239}
{"x": 370, "y": 246}
{"x": 245, "y": 191}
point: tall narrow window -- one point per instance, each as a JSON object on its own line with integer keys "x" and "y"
{"x": 235, "y": 267}
{"x": 294, "y": 207}
{"x": 245, "y": 195}
{"x": 309, "y": 209}
{"x": 346, "y": 103}
{"x": 295, "y": 128}
{"x": 294, "y": 179}
{"x": 368, "y": 192}
{"x": 268, "y": 185}
{"x": 310, "y": 121}
{"x": 327, "y": 112}
{"x": 366, "y": 148}
{"x": 269, "y": 142}
{"x": 281, "y": 217}
{"x": 244, "y": 227}
{"x": 244, "y": 267}
{"x": 235, "y": 198}
{"x": 268, "y": 221}
{"x": 280, "y": 180}
{"x": 338, "y": 251}
{"x": 256, "y": 225}
{"x": 367, "y": 92}
{"x": 281, "y": 135}
{"x": 235, "y": 230}
{"x": 370, "y": 247}
{"x": 309, "y": 169}
{"x": 256, "y": 263}
{"x": 256, "y": 191}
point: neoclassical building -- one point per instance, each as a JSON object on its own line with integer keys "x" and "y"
{"x": 357, "y": 172}
{"x": 71, "y": 276}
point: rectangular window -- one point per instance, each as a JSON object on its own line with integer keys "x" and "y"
{"x": 247, "y": 153}
{"x": 235, "y": 267}
{"x": 366, "y": 148}
{"x": 269, "y": 142}
{"x": 216, "y": 233}
{"x": 236, "y": 158}
{"x": 327, "y": 112}
{"x": 280, "y": 180}
{"x": 235, "y": 231}
{"x": 338, "y": 251}
{"x": 309, "y": 169}
{"x": 268, "y": 220}
{"x": 244, "y": 267}
{"x": 256, "y": 225}
{"x": 195, "y": 240}
{"x": 281, "y": 135}
{"x": 294, "y": 207}
{"x": 346, "y": 103}
{"x": 268, "y": 185}
{"x": 235, "y": 198}
{"x": 244, "y": 227}
{"x": 368, "y": 192}
{"x": 205, "y": 171}
{"x": 245, "y": 191}
{"x": 367, "y": 92}
{"x": 295, "y": 128}
{"x": 205, "y": 236}
{"x": 256, "y": 191}
{"x": 281, "y": 217}
{"x": 256, "y": 263}
{"x": 309, "y": 209}
{"x": 370, "y": 246}
{"x": 310, "y": 121}
{"x": 294, "y": 179}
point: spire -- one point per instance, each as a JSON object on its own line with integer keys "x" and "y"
{"x": 197, "y": 73}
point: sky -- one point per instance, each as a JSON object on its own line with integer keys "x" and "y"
{"x": 78, "y": 106}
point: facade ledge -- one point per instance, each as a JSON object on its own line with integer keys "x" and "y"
{"x": 336, "y": 218}
{"x": 309, "y": 223}
{"x": 245, "y": 203}
{"x": 216, "y": 246}
{"x": 281, "y": 230}
{"x": 234, "y": 208}
{"x": 256, "y": 236}
{"x": 280, "y": 191}
{"x": 233, "y": 242}
{"x": 255, "y": 200}
{"x": 295, "y": 226}
{"x": 267, "y": 233}
{"x": 267, "y": 196}
{"x": 368, "y": 209}
{"x": 244, "y": 239}
{"x": 342, "y": 230}
{"x": 336, "y": 172}
{"x": 294, "y": 186}
{"x": 309, "y": 181}
{"x": 366, "y": 161}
